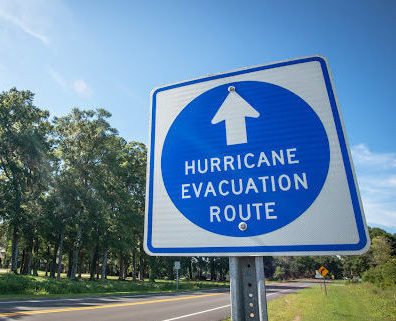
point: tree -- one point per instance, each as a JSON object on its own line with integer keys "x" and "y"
{"x": 381, "y": 250}
{"x": 82, "y": 144}
{"x": 24, "y": 161}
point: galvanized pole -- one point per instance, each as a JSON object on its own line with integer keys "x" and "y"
{"x": 247, "y": 285}
{"x": 260, "y": 279}
{"x": 177, "y": 279}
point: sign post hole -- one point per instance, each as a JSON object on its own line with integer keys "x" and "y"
{"x": 247, "y": 287}
{"x": 250, "y": 163}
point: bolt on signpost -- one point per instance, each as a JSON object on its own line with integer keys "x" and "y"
{"x": 249, "y": 163}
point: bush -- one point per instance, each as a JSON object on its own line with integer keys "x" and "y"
{"x": 11, "y": 283}
{"x": 22, "y": 284}
{"x": 383, "y": 275}
{"x": 280, "y": 273}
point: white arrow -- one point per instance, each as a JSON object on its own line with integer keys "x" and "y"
{"x": 233, "y": 111}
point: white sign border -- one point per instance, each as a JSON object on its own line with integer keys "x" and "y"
{"x": 297, "y": 250}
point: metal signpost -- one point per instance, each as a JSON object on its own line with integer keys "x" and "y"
{"x": 248, "y": 163}
{"x": 177, "y": 268}
{"x": 323, "y": 272}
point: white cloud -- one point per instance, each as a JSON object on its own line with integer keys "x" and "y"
{"x": 18, "y": 13}
{"x": 362, "y": 156}
{"x": 376, "y": 174}
{"x": 57, "y": 78}
{"x": 81, "y": 88}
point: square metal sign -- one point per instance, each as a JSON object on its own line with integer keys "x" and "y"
{"x": 252, "y": 162}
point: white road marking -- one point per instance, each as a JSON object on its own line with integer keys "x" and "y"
{"x": 224, "y": 306}
{"x": 131, "y": 296}
{"x": 287, "y": 290}
{"x": 200, "y": 312}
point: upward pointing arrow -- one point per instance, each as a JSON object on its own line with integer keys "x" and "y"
{"x": 233, "y": 111}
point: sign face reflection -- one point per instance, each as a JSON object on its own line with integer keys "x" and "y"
{"x": 252, "y": 161}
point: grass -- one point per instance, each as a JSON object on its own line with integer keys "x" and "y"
{"x": 19, "y": 286}
{"x": 352, "y": 302}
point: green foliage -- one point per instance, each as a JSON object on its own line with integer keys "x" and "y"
{"x": 18, "y": 284}
{"x": 280, "y": 273}
{"x": 24, "y": 149}
{"x": 382, "y": 263}
{"x": 72, "y": 198}
{"x": 354, "y": 302}
{"x": 289, "y": 267}
{"x": 381, "y": 250}
{"x": 382, "y": 275}
{"x": 25, "y": 163}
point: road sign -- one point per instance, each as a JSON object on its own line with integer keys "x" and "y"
{"x": 177, "y": 265}
{"x": 323, "y": 271}
{"x": 253, "y": 161}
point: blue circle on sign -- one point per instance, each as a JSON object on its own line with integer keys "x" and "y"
{"x": 264, "y": 168}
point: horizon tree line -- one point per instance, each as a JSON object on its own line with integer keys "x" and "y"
{"x": 72, "y": 198}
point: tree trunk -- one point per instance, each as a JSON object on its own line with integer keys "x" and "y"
{"x": 121, "y": 275}
{"x": 53, "y": 263}
{"x": 70, "y": 262}
{"x": 134, "y": 264}
{"x": 153, "y": 269}
{"x": 47, "y": 261}
{"x": 190, "y": 270}
{"x": 15, "y": 251}
{"x": 80, "y": 268}
{"x": 141, "y": 267}
{"x": 28, "y": 258}
{"x": 104, "y": 266}
{"x": 76, "y": 253}
{"x": 58, "y": 276}
{"x": 36, "y": 261}
{"x": 23, "y": 262}
{"x": 94, "y": 261}
{"x": 212, "y": 269}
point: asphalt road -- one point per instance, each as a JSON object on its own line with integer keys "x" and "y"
{"x": 205, "y": 305}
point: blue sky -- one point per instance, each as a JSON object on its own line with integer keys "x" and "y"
{"x": 110, "y": 54}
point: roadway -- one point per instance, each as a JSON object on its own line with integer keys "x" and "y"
{"x": 205, "y": 305}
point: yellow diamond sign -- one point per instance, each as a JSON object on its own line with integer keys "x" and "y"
{"x": 323, "y": 271}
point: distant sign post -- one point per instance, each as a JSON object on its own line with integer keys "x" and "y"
{"x": 252, "y": 162}
{"x": 177, "y": 268}
{"x": 323, "y": 272}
